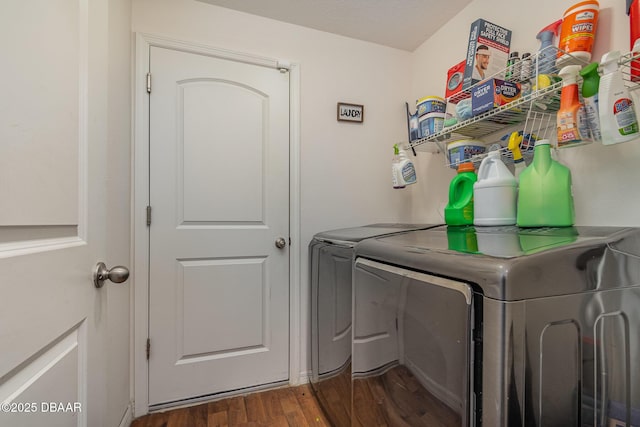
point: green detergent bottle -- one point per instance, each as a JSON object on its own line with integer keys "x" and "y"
{"x": 459, "y": 210}
{"x": 544, "y": 197}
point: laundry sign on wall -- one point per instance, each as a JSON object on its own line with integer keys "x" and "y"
{"x": 350, "y": 112}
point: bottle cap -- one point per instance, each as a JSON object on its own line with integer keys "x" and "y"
{"x": 569, "y": 74}
{"x": 466, "y": 167}
{"x": 590, "y": 80}
{"x": 591, "y": 69}
{"x": 609, "y": 61}
{"x": 515, "y": 139}
{"x": 542, "y": 142}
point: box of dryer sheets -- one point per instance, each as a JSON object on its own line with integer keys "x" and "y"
{"x": 493, "y": 93}
{"x": 487, "y": 52}
{"x": 454, "y": 81}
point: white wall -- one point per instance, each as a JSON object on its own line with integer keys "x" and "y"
{"x": 604, "y": 177}
{"x": 118, "y": 201}
{"x": 345, "y": 167}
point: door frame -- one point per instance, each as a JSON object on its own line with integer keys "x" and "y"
{"x": 140, "y": 194}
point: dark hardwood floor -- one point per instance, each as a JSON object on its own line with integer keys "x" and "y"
{"x": 394, "y": 399}
{"x": 284, "y": 407}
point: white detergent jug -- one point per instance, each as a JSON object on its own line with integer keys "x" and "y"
{"x": 495, "y": 192}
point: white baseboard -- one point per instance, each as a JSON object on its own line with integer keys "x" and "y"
{"x": 185, "y": 403}
{"x": 127, "y": 418}
{"x": 303, "y": 377}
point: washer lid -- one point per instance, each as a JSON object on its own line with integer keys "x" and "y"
{"x": 357, "y": 234}
{"x": 511, "y": 263}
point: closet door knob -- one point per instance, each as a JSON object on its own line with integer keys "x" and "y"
{"x": 117, "y": 274}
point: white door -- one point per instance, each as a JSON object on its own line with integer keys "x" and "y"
{"x": 53, "y": 142}
{"x": 219, "y": 193}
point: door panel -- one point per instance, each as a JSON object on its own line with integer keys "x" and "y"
{"x": 218, "y": 111}
{"x": 53, "y": 123}
{"x": 54, "y": 374}
{"x": 219, "y": 289}
{"x": 40, "y": 111}
{"x": 237, "y": 295}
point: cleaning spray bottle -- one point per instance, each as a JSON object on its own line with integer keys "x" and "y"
{"x": 618, "y": 122}
{"x": 514, "y": 146}
{"x": 571, "y": 118}
{"x": 544, "y": 195}
{"x": 590, "y": 85}
{"x": 546, "y": 60}
{"x": 403, "y": 172}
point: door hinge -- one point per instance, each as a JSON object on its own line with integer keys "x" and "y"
{"x": 148, "y": 82}
{"x": 148, "y": 347}
{"x": 283, "y": 66}
{"x": 148, "y": 216}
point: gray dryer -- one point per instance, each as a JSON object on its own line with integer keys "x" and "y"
{"x": 331, "y": 263}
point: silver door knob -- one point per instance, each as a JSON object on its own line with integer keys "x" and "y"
{"x": 117, "y": 274}
{"x": 280, "y": 242}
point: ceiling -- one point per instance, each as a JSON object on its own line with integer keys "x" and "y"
{"x": 402, "y": 24}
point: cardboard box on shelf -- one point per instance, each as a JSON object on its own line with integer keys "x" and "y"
{"x": 454, "y": 79}
{"x": 487, "y": 52}
{"x": 493, "y": 93}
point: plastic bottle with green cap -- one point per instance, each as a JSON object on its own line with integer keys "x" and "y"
{"x": 459, "y": 210}
{"x": 544, "y": 196}
{"x": 590, "y": 85}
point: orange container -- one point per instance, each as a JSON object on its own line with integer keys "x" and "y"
{"x": 578, "y": 32}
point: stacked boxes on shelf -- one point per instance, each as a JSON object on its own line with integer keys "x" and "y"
{"x": 487, "y": 52}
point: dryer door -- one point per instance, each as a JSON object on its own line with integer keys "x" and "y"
{"x": 413, "y": 348}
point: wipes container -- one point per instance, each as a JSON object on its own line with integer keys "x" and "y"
{"x": 463, "y": 150}
{"x": 577, "y": 33}
{"x": 430, "y": 104}
{"x": 494, "y": 193}
{"x": 430, "y": 124}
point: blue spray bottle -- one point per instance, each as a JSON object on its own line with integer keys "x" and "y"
{"x": 546, "y": 61}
